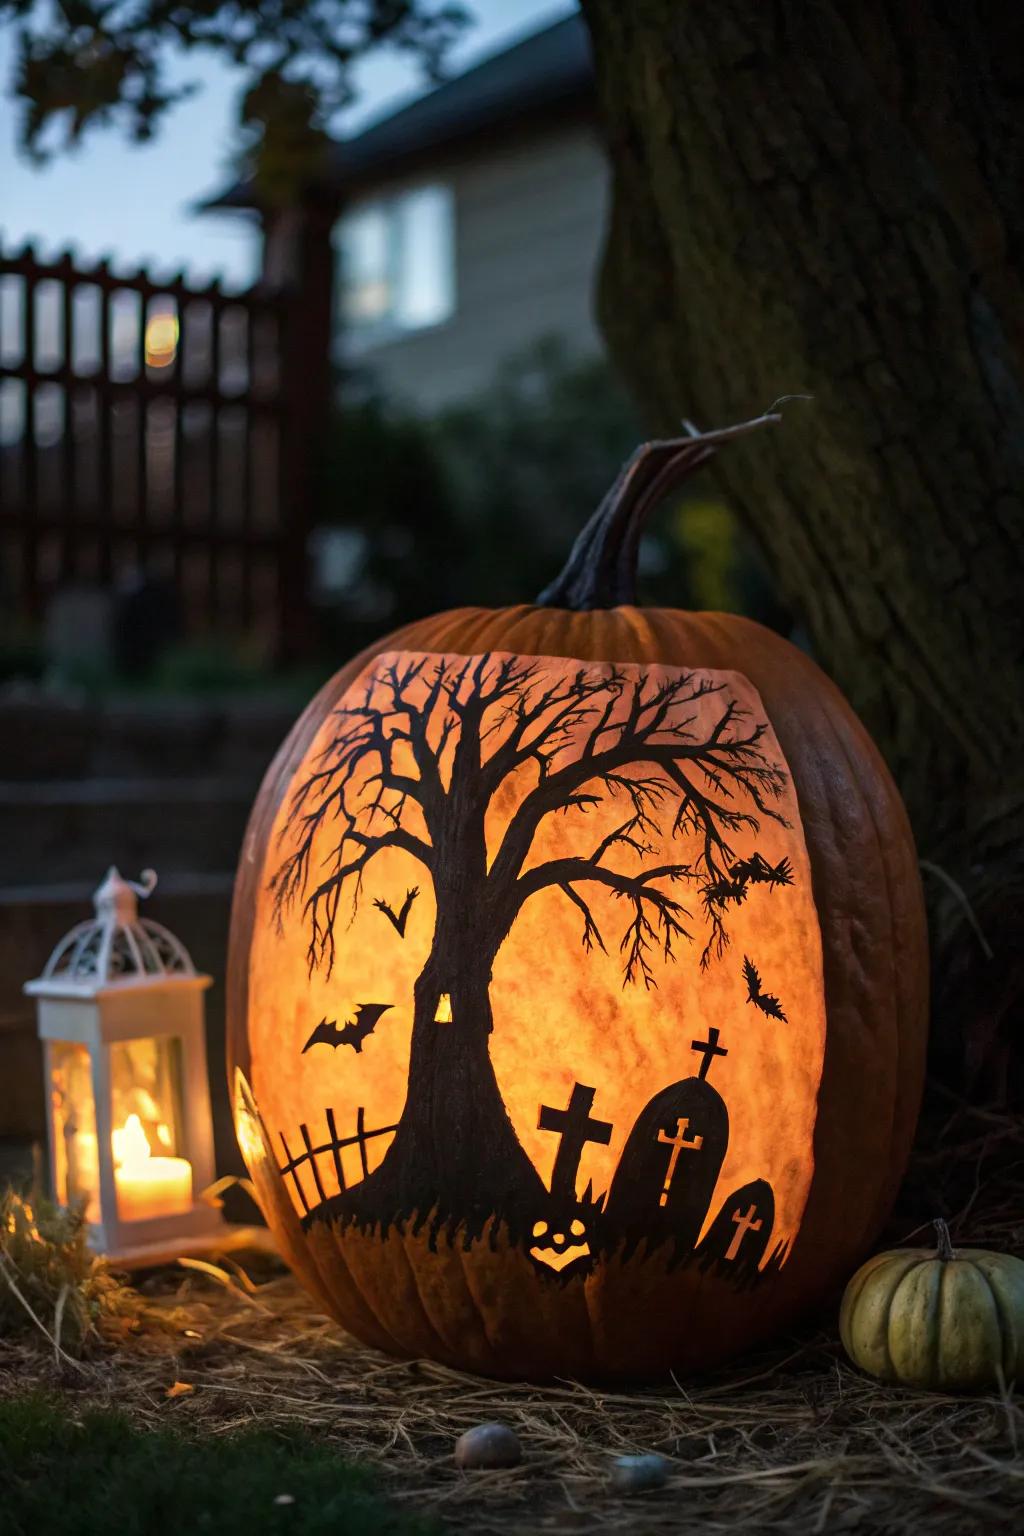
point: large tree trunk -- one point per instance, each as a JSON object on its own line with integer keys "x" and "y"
{"x": 823, "y": 197}
{"x": 455, "y": 1160}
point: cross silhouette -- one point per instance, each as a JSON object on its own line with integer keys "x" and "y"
{"x": 677, "y": 1142}
{"x": 576, "y": 1129}
{"x": 744, "y": 1224}
{"x": 709, "y": 1048}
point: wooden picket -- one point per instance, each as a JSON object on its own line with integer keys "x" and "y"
{"x": 114, "y": 460}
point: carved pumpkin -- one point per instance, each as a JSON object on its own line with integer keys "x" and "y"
{"x": 577, "y": 980}
{"x": 948, "y": 1320}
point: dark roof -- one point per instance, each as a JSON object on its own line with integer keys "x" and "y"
{"x": 548, "y": 69}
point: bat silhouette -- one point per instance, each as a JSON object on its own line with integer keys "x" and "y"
{"x": 758, "y": 871}
{"x": 352, "y": 1033}
{"x": 753, "y": 871}
{"x": 763, "y": 1000}
{"x": 402, "y": 918}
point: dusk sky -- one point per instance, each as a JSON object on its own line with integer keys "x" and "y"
{"x": 133, "y": 201}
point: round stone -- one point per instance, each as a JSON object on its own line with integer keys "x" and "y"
{"x": 486, "y": 1446}
{"x": 637, "y": 1474}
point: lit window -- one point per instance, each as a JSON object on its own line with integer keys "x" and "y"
{"x": 396, "y": 264}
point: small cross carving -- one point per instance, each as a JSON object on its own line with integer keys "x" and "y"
{"x": 678, "y": 1142}
{"x": 744, "y": 1224}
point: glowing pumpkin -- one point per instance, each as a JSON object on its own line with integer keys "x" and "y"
{"x": 577, "y": 985}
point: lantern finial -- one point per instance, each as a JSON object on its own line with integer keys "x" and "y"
{"x": 118, "y": 898}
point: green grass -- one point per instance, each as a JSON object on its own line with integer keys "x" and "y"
{"x": 65, "y": 1473}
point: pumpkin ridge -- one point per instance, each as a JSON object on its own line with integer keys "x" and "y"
{"x": 894, "y": 1296}
{"x": 337, "y": 1252}
{"x": 852, "y": 768}
{"x": 1007, "y": 1331}
{"x": 481, "y": 1314}
{"x": 885, "y": 1196}
{"x": 336, "y": 1233}
{"x": 445, "y": 1343}
{"x": 402, "y": 1346}
{"x": 852, "y": 1297}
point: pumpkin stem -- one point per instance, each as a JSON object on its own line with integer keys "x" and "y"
{"x": 944, "y": 1241}
{"x": 601, "y": 569}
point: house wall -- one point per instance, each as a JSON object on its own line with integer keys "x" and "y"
{"x": 529, "y": 223}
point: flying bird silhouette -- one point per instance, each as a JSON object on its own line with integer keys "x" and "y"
{"x": 762, "y": 1000}
{"x": 352, "y": 1033}
{"x": 402, "y": 918}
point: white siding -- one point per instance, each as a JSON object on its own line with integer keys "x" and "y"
{"x": 529, "y": 222}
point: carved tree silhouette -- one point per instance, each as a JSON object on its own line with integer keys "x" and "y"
{"x": 414, "y": 767}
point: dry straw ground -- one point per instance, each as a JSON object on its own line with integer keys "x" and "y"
{"x": 790, "y": 1439}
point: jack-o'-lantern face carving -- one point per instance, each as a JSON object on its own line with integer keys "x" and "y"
{"x": 559, "y": 1245}
{"x": 537, "y": 948}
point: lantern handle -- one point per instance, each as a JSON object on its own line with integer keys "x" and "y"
{"x": 601, "y": 569}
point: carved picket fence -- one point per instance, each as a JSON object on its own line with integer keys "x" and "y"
{"x": 332, "y": 1148}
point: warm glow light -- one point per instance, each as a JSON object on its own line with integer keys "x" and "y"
{"x": 161, "y": 340}
{"x": 606, "y": 869}
{"x": 247, "y": 1128}
{"x": 148, "y": 1186}
{"x": 129, "y": 1144}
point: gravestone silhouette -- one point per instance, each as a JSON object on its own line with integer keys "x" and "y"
{"x": 565, "y": 1231}
{"x": 738, "y": 1238}
{"x": 669, "y": 1167}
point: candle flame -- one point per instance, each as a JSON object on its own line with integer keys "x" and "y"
{"x": 130, "y": 1144}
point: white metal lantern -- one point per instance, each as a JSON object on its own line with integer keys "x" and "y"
{"x": 120, "y": 1012}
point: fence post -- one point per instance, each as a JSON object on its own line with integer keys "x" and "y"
{"x": 298, "y": 262}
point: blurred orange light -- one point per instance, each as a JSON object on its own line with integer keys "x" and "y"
{"x": 161, "y": 340}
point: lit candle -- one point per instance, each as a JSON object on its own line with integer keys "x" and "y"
{"x": 147, "y": 1186}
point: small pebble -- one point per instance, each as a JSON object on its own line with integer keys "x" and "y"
{"x": 636, "y": 1474}
{"x": 487, "y": 1446}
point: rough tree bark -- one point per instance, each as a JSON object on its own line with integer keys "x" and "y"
{"x": 821, "y": 197}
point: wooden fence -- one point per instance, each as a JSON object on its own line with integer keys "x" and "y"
{"x": 145, "y": 426}
{"x": 333, "y": 1148}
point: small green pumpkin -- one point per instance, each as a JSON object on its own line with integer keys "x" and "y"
{"x": 949, "y": 1321}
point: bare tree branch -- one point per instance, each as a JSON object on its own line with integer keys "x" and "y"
{"x": 345, "y": 791}
{"x": 657, "y": 916}
{"x": 589, "y": 737}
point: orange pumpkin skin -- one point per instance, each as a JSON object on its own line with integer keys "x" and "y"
{"x": 484, "y": 1307}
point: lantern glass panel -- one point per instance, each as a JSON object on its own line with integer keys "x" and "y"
{"x": 145, "y": 1082}
{"x": 150, "y": 1177}
{"x": 76, "y": 1168}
